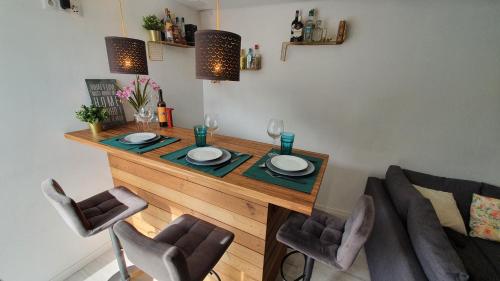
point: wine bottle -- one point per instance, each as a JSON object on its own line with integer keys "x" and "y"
{"x": 162, "y": 110}
{"x": 249, "y": 58}
{"x": 183, "y": 28}
{"x": 297, "y": 34}
{"x": 168, "y": 26}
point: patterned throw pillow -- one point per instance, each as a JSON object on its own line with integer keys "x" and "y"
{"x": 485, "y": 217}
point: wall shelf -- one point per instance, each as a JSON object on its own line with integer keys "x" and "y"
{"x": 155, "y": 49}
{"x": 170, "y": 44}
{"x": 341, "y": 35}
{"x": 285, "y": 45}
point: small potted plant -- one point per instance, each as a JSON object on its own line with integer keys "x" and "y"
{"x": 94, "y": 116}
{"x": 153, "y": 24}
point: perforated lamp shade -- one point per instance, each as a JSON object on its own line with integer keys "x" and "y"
{"x": 217, "y": 55}
{"x": 126, "y": 55}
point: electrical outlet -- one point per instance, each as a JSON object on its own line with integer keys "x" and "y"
{"x": 76, "y": 7}
{"x": 51, "y": 4}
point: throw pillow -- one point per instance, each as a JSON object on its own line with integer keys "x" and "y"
{"x": 437, "y": 256}
{"x": 485, "y": 217}
{"x": 445, "y": 207}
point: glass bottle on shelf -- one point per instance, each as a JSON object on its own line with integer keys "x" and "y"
{"x": 243, "y": 59}
{"x": 168, "y": 26}
{"x": 317, "y": 32}
{"x": 309, "y": 28}
{"x": 183, "y": 28}
{"x": 257, "y": 60}
{"x": 249, "y": 58}
{"x": 297, "y": 33}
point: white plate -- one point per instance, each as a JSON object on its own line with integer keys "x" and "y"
{"x": 138, "y": 138}
{"x": 202, "y": 154}
{"x": 226, "y": 155}
{"x": 309, "y": 170}
{"x": 289, "y": 163}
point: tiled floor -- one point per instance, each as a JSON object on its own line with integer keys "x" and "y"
{"x": 105, "y": 266}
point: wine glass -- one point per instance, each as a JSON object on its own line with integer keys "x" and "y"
{"x": 145, "y": 114}
{"x": 274, "y": 129}
{"x": 212, "y": 123}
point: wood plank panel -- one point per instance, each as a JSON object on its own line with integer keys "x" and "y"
{"x": 238, "y": 205}
{"x": 275, "y": 251}
{"x": 245, "y": 239}
{"x": 244, "y": 223}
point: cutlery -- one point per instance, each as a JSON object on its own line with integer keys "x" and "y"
{"x": 162, "y": 139}
{"x": 237, "y": 155}
{"x": 283, "y": 177}
{"x": 182, "y": 156}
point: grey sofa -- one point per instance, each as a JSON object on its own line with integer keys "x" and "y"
{"x": 390, "y": 251}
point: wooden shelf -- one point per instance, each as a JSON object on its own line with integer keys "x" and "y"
{"x": 170, "y": 44}
{"x": 285, "y": 45}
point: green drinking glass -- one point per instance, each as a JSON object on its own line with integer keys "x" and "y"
{"x": 287, "y": 143}
{"x": 200, "y": 135}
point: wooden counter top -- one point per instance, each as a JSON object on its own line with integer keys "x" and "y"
{"x": 234, "y": 183}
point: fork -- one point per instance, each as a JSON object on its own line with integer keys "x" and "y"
{"x": 283, "y": 177}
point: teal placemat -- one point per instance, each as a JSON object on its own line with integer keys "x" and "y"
{"x": 212, "y": 170}
{"x": 137, "y": 148}
{"x": 306, "y": 183}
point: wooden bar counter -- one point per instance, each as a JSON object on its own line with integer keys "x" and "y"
{"x": 251, "y": 209}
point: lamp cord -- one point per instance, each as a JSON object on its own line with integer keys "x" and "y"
{"x": 217, "y": 19}
{"x": 124, "y": 28}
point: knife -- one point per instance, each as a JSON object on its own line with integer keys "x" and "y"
{"x": 162, "y": 139}
{"x": 229, "y": 162}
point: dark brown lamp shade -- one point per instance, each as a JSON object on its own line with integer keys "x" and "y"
{"x": 126, "y": 55}
{"x": 217, "y": 55}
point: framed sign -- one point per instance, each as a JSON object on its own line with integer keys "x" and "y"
{"x": 103, "y": 93}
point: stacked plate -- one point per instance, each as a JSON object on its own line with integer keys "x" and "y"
{"x": 140, "y": 138}
{"x": 207, "y": 156}
{"x": 289, "y": 165}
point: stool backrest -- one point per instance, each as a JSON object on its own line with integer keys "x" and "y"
{"x": 160, "y": 260}
{"x": 66, "y": 207}
{"x": 357, "y": 229}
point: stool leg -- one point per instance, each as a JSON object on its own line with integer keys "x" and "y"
{"x": 308, "y": 268}
{"x": 117, "y": 248}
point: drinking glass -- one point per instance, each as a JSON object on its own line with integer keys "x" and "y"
{"x": 200, "y": 135}
{"x": 145, "y": 114}
{"x": 287, "y": 143}
{"x": 274, "y": 129}
{"x": 212, "y": 123}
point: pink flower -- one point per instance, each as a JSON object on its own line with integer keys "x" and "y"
{"x": 123, "y": 94}
{"x": 132, "y": 82}
{"x": 143, "y": 80}
{"x": 156, "y": 88}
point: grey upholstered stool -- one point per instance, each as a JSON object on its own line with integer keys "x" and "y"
{"x": 187, "y": 250}
{"x": 96, "y": 214}
{"x": 326, "y": 238}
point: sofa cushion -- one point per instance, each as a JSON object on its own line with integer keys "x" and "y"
{"x": 485, "y": 217}
{"x": 400, "y": 190}
{"x": 439, "y": 260}
{"x": 480, "y": 257}
{"x": 462, "y": 189}
{"x": 490, "y": 190}
{"x": 446, "y": 209}
{"x": 388, "y": 249}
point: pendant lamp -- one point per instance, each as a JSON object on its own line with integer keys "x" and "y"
{"x": 217, "y": 54}
{"x": 126, "y": 55}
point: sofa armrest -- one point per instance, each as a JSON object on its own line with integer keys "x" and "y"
{"x": 389, "y": 251}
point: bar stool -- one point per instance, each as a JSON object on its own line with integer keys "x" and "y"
{"x": 96, "y": 214}
{"x": 327, "y": 238}
{"x": 186, "y": 250}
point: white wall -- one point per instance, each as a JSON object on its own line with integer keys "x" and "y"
{"x": 415, "y": 84}
{"x": 44, "y": 58}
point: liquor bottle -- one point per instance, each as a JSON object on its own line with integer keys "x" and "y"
{"x": 317, "y": 32}
{"x": 162, "y": 110}
{"x": 297, "y": 34}
{"x": 183, "y": 28}
{"x": 168, "y": 26}
{"x": 257, "y": 58}
{"x": 249, "y": 58}
{"x": 243, "y": 59}
{"x": 308, "y": 30}
{"x": 341, "y": 31}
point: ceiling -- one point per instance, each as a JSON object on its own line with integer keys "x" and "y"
{"x": 226, "y": 4}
